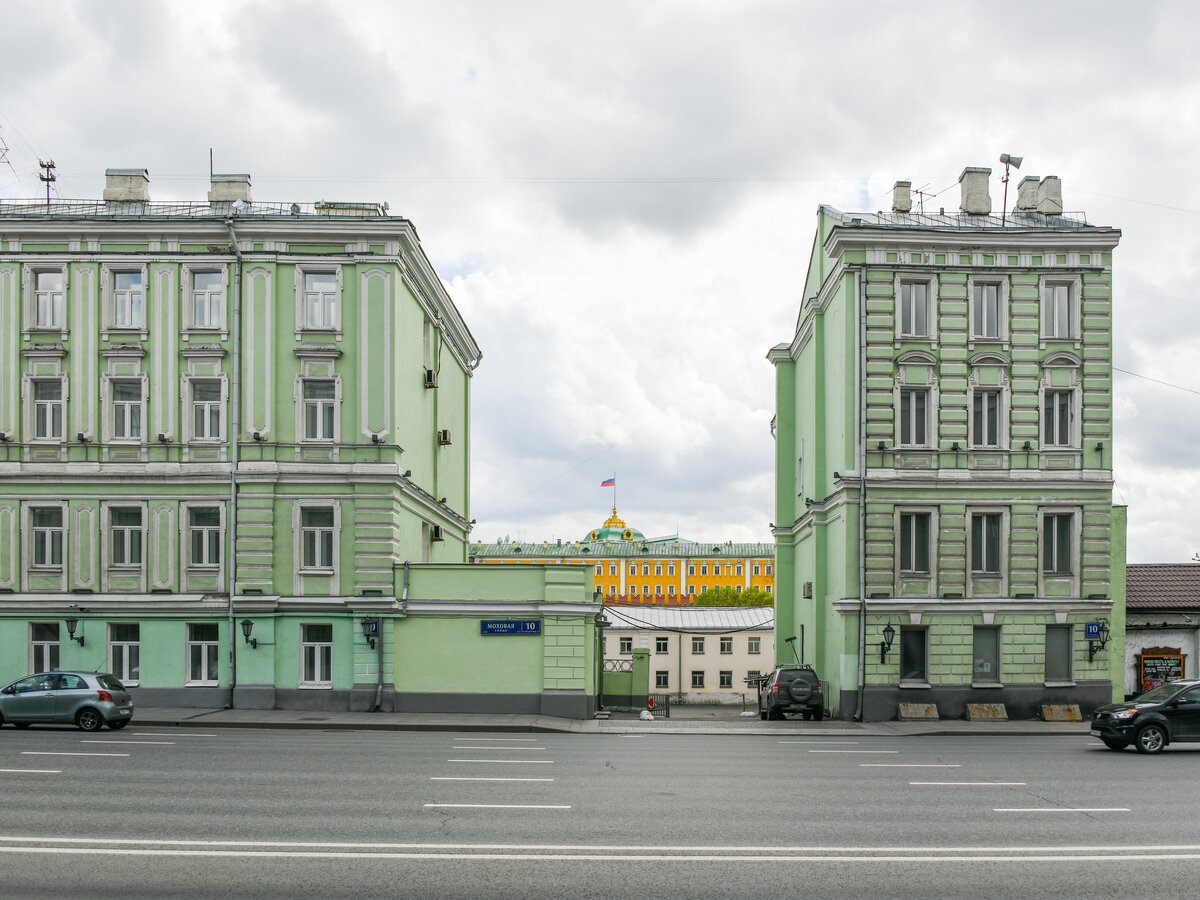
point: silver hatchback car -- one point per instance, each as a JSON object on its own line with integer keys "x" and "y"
{"x": 90, "y": 700}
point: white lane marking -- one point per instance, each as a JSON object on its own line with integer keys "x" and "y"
{"x": 139, "y": 743}
{"x": 471, "y": 778}
{"x": 497, "y": 740}
{"x": 49, "y": 753}
{"x": 489, "y": 806}
{"x": 972, "y": 783}
{"x": 165, "y": 734}
{"x": 1066, "y": 809}
{"x": 817, "y": 742}
{"x": 909, "y": 766}
{"x": 853, "y": 751}
{"x": 505, "y": 749}
{"x": 532, "y": 762}
{"x": 35, "y": 771}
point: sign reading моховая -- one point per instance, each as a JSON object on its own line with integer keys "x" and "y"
{"x": 510, "y": 626}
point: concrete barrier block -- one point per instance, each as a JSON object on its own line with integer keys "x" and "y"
{"x": 987, "y": 712}
{"x": 915, "y": 712}
{"x": 1062, "y": 712}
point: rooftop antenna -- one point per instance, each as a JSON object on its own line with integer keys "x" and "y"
{"x": 48, "y": 176}
{"x": 1009, "y": 160}
{"x": 921, "y": 195}
{"x": 4, "y": 156}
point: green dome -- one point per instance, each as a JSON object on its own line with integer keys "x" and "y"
{"x": 614, "y": 530}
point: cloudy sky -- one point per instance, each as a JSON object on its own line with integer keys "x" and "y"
{"x": 621, "y": 196}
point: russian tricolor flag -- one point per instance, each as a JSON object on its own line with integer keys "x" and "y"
{"x": 609, "y": 482}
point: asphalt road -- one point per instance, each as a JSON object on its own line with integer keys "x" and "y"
{"x": 161, "y": 812}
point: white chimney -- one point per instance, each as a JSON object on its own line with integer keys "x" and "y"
{"x": 1027, "y": 192}
{"x": 228, "y": 188}
{"x": 902, "y": 197}
{"x": 126, "y": 185}
{"x": 1049, "y": 196}
{"x": 976, "y": 200}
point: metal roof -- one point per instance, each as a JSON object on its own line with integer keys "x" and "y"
{"x": 1017, "y": 220}
{"x": 125, "y": 209}
{"x": 1162, "y": 586}
{"x": 650, "y": 549}
{"x": 690, "y": 618}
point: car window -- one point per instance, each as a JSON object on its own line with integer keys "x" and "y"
{"x": 1190, "y": 696}
{"x": 110, "y": 683}
{"x": 71, "y": 683}
{"x": 35, "y": 683}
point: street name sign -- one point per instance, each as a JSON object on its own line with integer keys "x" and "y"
{"x": 510, "y": 626}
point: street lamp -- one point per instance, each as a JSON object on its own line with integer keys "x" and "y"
{"x": 368, "y": 630}
{"x": 889, "y": 635}
{"x": 71, "y": 623}
{"x": 247, "y": 627}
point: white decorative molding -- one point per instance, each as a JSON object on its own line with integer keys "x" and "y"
{"x": 8, "y": 547}
{"x": 259, "y": 350}
{"x": 369, "y": 380}
{"x": 84, "y": 556}
{"x": 161, "y": 565}
{"x": 9, "y": 345}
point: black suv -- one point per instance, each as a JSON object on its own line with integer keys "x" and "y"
{"x": 791, "y": 689}
{"x": 1169, "y": 712}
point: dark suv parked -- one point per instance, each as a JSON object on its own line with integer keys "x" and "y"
{"x": 791, "y": 689}
{"x": 1170, "y": 712}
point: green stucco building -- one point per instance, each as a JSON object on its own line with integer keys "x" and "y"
{"x": 225, "y": 417}
{"x": 944, "y": 458}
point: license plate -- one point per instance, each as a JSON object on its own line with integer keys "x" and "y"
{"x": 1094, "y": 733}
{"x": 126, "y": 712}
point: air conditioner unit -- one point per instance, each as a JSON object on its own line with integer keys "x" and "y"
{"x": 435, "y": 533}
{"x": 444, "y": 436}
{"x": 430, "y": 378}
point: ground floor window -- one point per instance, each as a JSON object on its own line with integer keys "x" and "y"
{"x": 914, "y": 659}
{"x": 202, "y": 646}
{"x": 44, "y": 646}
{"x": 726, "y": 679}
{"x": 1058, "y": 652}
{"x": 316, "y": 654}
{"x": 662, "y": 679}
{"x": 986, "y": 654}
{"x": 697, "y": 679}
{"x": 125, "y": 651}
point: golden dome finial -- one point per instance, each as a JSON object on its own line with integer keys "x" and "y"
{"x": 614, "y": 521}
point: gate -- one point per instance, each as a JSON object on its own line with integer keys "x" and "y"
{"x": 659, "y": 705}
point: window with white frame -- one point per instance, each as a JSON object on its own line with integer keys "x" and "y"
{"x": 633, "y": 568}
{"x": 754, "y": 645}
{"x": 1058, "y": 543}
{"x": 633, "y": 590}
{"x": 914, "y": 543}
{"x": 670, "y": 568}
{"x": 986, "y": 531}
{"x": 1058, "y": 418}
{"x": 914, "y": 309}
{"x": 726, "y": 643}
{"x": 125, "y": 651}
{"x": 658, "y": 569}
{"x": 697, "y": 678}
{"x": 127, "y": 410}
{"x": 662, "y": 644}
{"x": 757, "y": 569}
{"x": 316, "y": 653}
{"x": 987, "y": 312}
{"x": 207, "y": 410}
{"x": 692, "y": 590}
{"x": 599, "y": 568}
{"x": 1059, "y": 639}
{"x": 48, "y": 306}
{"x": 646, "y": 590}
{"x": 691, "y": 569}
{"x": 1058, "y": 309}
{"x": 985, "y": 418}
{"x": 125, "y": 531}
{"x": 703, "y": 589}
{"x": 670, "y": 590}
{"x": 320, "y": 300}
{"x": 914, "y": 656}
{"x": 626, "y": 644}
{"x": 43, "y": 647}
{"x": 738, "y": 569}
{"x": 703, "y": 568}
{"x": 612, "y": 569}
{"x": 202, "y": 646}
{"x": 48, "y": 410}
{"x": 698, "y": 644}
{"x": 914, "y": 417}
{"x": 658, "y": 590}
{"x": 48, "y": 535}
{"x": 738, "y": 588}
{"x": 646, "y": 570}
{"x": 768, "y": 570}
{"x": 320, "y": 406}
{"x": 316, "y": 537}
{"x": 208, "y": 300}
{"x": 128, "y": 300}
{"x": 662, "y": 679}
{"x": 204, "y": 536}
{"x": 726, "y": 679}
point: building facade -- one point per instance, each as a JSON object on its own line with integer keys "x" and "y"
{"x": 628, "y": 567}
{"x": 944, "y": 457}
{"x": 1162, "y": 639}
{"x": 234, "y": 445}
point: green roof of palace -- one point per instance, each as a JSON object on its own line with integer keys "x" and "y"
{"x": 648, "y": 548}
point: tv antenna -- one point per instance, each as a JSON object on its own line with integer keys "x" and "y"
{"x": 4, "y": 156}
{"x": 921, "y": 195}
{"x": 1009, "y": 160}
{"x": 47, "y": 176}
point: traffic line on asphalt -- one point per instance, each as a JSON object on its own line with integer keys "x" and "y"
{"x": 970, "y": 783}
{"x": 481, "y": 778}
{"x": 853, "y": 751}
{"x": 505, "y": 749}
{"x": 35, "y": 771}
{"x": 496, "y": 740}
{"x": 1056, "y": 809}
{"x": 909, "y": 766}
{"x": 532, "y": 762}
{"x": 165, "y": 734}
{"x": 138, "y": 743}
{"x": 490, "y": 806}
{"x": 817, "y": 742}
{"x": 50, "y": 753}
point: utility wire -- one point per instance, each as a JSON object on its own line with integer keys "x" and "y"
{"x": 1177, "y": 387}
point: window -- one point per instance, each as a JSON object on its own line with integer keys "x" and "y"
{"x": 127, "y": 410}
{"x": 670, "y": 590}
{"x": 753, "y": 673}
{"x": 48, "y": 410}
{"x": 1058, "y": 419}
{"x": 986, "y": 654}
{"x": 757, "y": 569}
{"x": 320, "y": 300}
{"x": 985, "y": 419}
{"x": 697, "y": 679}
{"x": 768, "y": 589}
{"x": 703, "y": 568}
{"x": 125, "y": 652}
{"x": 726, "y": 644}
{"x": 1059, "y": 639}
{"x": 126, "y": 530}
{"x": 985, "y": 543}
{"x": 913, "y": 663}
{"x": 658, "y": 568}
{"x": 316, "y": 537}
{"x": 738, "y": 588}
{"x": 319, "y": 407}
{"x": 738, "y": 569}
{"x": 914, "y": 417}
{"x": 704, "y": 588}
{"x": 202, "y": 643}
{"x": 206, "y": 410}
{"x": 208, "y": 299}
{"x": 645, "y": 570}
{"x": 599, "y": 568}
{"x": 692, "y": 590}
{"x": 754, "y": 645}
{"x": 662, "y": 679}
{"x": 633, "y": 568}
{"x": 44, "y": 646}
{"x": 626, "y": 644}
{"x": 662, "y": 644}
{"x": 726, "y": 679}
{"x": 1057, "y": 541}
{"x": 914, "y": 308}
{"x": 47, "y": 537}
{"x": 127, "y": 300}
{"x": 48, "y": 300}
{"x": 1058, "y": 310}
{"x": 204, "y": 531}
{"x": 633, "y": 591}
{"x": 697, "y": 644}
{"x": 316, "y": 653}
{"x": 645, "y": 590}
{"x": 612, "y": 570}
{"x": 658, "y": 590}
{"x": 914, "y": 543}
{"x": 986, "y": 311}
{"x": 691, "y": 568}
{"x": 670, "y": 568}
{"x": 768, "y": 570}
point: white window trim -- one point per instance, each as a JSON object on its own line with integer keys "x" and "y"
{"x": 27, "y": 510}
{"x": 1002, "y": 575}
{"x": 1075, "y": 285}
{"x": 131, "y": 682}
{"x": 188, "y": 643}
{"x": 1002, "y": 411}
{"x": 189, "y": 413}
{"x": 1002, "y": 313}
{"x": 1073, "y": 578}
{"x": 754, "y": 645}
{"x": 665, "y": 645}
{"x": 185, "y": 537}
{"x": 931, "y": 299}
{"x": 190, "y": 270}
{"x": 337, "y": 410}
{"x": 318, "y": 268}
{"x": 297, "y": 521}
{"x": 108, "y": 273}
{"x": 30, "y": 404}
{"x": 34, "y": 645}
{"x": 106, "y": 510}
{"x": 108, "y": 409}
{"x": 1060, "y": 364}
{"x": 30, "y": 271}
{"x": 930, "y": 435}
{"x": 931, "y": 575}
{"x": 318, "y": 685}
{"x": 702, "y": 644}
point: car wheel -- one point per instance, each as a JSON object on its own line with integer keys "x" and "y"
{"x": 763, "y": 715}
{"x": 1114, "y": 745}
{"x": 806, "y": 715}
{"x": 89, "y": 719}
{"x": 800, "y": 690}
{"x": 818, "y": 715}
{"x": 1151, "y": 739}
{"x": 118, "y": 725}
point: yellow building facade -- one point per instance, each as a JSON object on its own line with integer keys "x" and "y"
{"x": 628, "y": 567}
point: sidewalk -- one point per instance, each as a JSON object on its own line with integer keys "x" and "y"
{"x": 684, "y": 720}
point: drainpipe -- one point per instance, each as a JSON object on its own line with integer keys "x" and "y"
{"x": 860, "y": 294}
{"x": 235, "y": 433}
